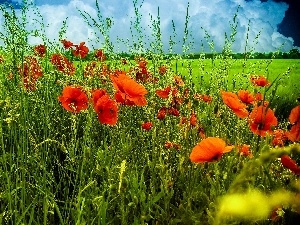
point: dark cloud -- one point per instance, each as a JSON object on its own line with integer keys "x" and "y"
{"x": 289, "y": 27}
{"x": 15, "y": 4}
{"x": 291, "y": 22}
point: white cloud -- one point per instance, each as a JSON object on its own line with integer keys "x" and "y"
{"x": 214, "y": 16}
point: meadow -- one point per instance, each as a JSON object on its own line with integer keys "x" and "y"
{"x": 146, "y": 141}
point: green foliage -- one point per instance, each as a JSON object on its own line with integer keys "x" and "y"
{"x": 57, "y": 167}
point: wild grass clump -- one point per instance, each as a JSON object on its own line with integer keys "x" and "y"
{"x": 147, "y": 137}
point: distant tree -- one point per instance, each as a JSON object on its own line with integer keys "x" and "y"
{"x": 285, "y": 55}
{"x": 294, "y": 54}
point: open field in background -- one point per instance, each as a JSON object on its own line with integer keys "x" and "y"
{"x": 237, "y": 73}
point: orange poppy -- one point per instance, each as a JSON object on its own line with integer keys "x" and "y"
{"x": 73, "y": 99}
{"x": 244, "y": 150}
{"x": 262, "y": 120}
{"x": 246, "y": 97}
{"x": 233, "y": 102}
{"x": 260, "y": 81}
{"x": 290, "y": 164}
{"x": 294, "y": 118}
{"x": 107, "y": 110}
{"x": 62, "y": 64}
{"x": 129, "y": 92}
{"x": 81, "y": 50}
{"x": 147, "y": 125}
{"x": 209, "y": 150}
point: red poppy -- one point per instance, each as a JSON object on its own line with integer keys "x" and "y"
{"x": 62, "y": 64}
{"x": 141, "y": 61}
{"x": 96, "y": 94}
{"x": 279, "y": 137}
{"x": 246, "y": 97}
{"x": 124, "y": 61}
{"x": 209, "y": 150}
{"x": 201, "y": 132}
{"x": 162, "y": 112}
{"x": 40, "y": 50}
{"x": 90, "y": 69}
{"x": 186, "y": 92}
{"x": 287, "y": 162}
{"x": 262, "y": 120}
{"x": 105, "y": 69}
{"x": 244, "y": 150}
{"x": 205, "y": 98}
{"x": 163, "y": 93}
{"x": 176, "y": 102}
{"x": 233, "y": 102}
{"x": 30, "y": 71}
{"x": 162, "y": 70}
{"x": 173, "y": 111}
{"x": 73, "y": 99}
{"x": 193, "y": 119}
{"x": 259, "y": 96}
{"x": 128, "y": 90}
{"x": 178, "y": 81}
{"x": 276, "y": 214}
{"x": 260, "y": 81}
{"x": 142, "y": 75}
{"x": 294, "y": 133}
{"x": 147, "y": 125}
{"x": 170, "y": 144}
{"x": 294, "y": 118}
{"x": 183, "y": 120}
{"x": 81, "y": 50}
{"x": 67, "y": 44}
{"x": 107, "y": 110}
{"x": 99, "y": 54}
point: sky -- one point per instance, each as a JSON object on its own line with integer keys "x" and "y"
{"x": 270, "y": 25}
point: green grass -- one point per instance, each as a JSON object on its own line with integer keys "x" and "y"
{"x": 56, "y": 166}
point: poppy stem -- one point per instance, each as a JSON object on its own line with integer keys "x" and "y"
{"x": 257, "y": 143}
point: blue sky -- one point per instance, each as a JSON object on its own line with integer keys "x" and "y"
{"x": 266, "y": 20}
